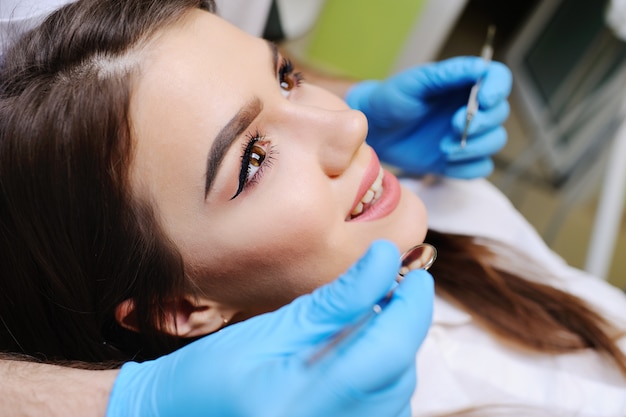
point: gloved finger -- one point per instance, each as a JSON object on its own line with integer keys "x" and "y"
{"x": 409, "y": 382}
{"x": 393, "y": 399}
{"x": 356, "y": 291}
{"x": 410, "y": 309}
{"x": 477, "y": 146}
{"x": 390, "y": 398}
{"x": 484, "y": 119}
{"x": 392, "y": 337}
{"x": 495, "y": 86}
{"x": 443, "y": 76}
{"x": 406, "y": 412}
{"x": 467, "y": 170}
{"x": 334, "y": 392}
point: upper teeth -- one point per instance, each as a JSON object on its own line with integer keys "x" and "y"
{"x": 371, "y": 195}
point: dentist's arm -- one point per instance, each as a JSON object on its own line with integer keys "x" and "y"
{"x": 29, "y": 389}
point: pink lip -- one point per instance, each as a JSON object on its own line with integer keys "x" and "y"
{"x": 387, "y": 202}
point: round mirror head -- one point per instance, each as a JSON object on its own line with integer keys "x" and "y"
{"x": 421, "y": 256}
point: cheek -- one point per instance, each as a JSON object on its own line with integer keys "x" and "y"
{"x": 411, "y": 224}
{"x": 263, "y": 259}
{"x": 262, "y": 278}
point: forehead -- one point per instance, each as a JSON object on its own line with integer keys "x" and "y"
{"x": 201, "y": 58}
{"x": 198, "y": 43}
{"x": 196, "y": 75}
{"x": 189, "y": 83}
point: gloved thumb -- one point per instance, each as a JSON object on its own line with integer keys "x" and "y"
{"x": 356, "y": 291}
{"x": 440, "y": 77}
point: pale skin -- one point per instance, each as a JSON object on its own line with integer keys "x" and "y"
{"x": 288, "y": 230}
{"x": 289, "y": 226}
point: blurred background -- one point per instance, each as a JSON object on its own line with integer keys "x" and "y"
{"x": 563, "y": 166}
{"x": 564, "y": 53}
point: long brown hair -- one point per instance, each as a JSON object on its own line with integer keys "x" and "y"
{"x": 528, "y": 313}
{"x": 73, "y": 242}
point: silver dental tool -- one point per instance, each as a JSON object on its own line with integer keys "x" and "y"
{"x": 472, "y": 104}
{"x": 421, "y": 256}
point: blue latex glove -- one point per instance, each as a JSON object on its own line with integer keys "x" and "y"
{"x": 416, "y": 118}
{"x": 257, "y": 367}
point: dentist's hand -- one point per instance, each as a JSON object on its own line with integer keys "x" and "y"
{"x": 416, "y": 118}
{"x": 258, "y": 367}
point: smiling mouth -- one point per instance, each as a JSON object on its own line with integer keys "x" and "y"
{"x": 371, "y": 196}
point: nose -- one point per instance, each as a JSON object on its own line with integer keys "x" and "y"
{"x": 336, "y": 136}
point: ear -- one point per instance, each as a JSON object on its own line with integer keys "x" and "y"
{"x": 190, "y": 316}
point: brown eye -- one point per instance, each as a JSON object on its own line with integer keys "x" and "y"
{"x": 288, "y": 79}
{"x": 288, "y": 83}
{"x": 257, "y": 156}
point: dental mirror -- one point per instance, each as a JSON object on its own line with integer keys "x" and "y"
{"x": 421, "y": 256}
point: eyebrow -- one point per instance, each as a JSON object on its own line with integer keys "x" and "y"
{"x": 227, "y": 136}
{"x": 235, "y": 127}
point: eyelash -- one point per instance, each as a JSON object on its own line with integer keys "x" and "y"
{"x": 247, "y": 160}
{"x": 288, "y": 79}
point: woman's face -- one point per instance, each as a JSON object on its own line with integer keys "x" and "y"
{"x": 253, "y": 176}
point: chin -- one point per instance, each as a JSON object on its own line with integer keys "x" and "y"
{"x": 412, "y": 222}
